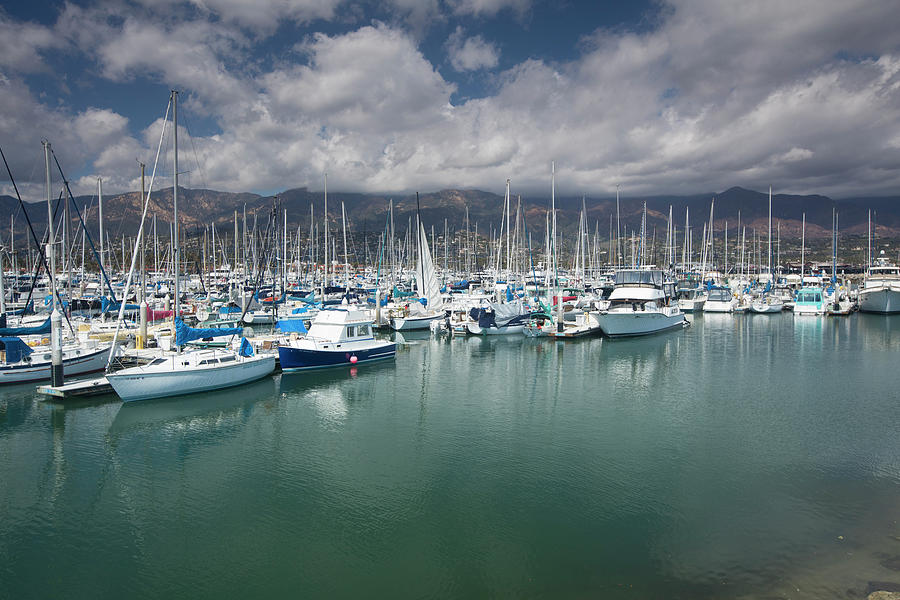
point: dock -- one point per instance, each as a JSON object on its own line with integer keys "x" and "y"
{"x": 83, "y": 388}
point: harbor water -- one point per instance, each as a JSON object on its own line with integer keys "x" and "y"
{"x": 747, "y": 456}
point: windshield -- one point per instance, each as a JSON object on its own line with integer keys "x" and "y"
{"x": 654, "y": 278}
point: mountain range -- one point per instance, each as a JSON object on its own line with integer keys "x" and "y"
{"x": 369, "y": 212}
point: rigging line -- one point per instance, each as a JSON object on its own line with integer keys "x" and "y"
{"x": 194, "y": 149}
{"x": 78, "y": 212}
{"x": 42, "y": 262}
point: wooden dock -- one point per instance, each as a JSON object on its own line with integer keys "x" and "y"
{"x": 83, "y": 388}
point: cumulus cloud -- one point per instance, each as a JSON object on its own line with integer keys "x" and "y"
{"x": 21, "y": 45}
{"x": 802, "y": 95}
{"x": 488, "y": 8}
{"x": 471, "y": 53}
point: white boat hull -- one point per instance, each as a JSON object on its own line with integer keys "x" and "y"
{"x": 79, "y": 365}
{"x": 137, "y": 384}
{"x": 883, "y": 300}
{"x": 476, "y": 329}
{"x": 764, "y": 308}
{"x": 691, "y": 305}
{"x": 625, "y": 324}
{"x": 712, "y": 306}
{"x": 413, "y": 323}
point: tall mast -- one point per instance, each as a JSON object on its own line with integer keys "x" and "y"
{"x": 100, "y": 205}
{"x": 769, "y": 253}
{"x": 175, "y": 252}
{"x": 325, "y": 280}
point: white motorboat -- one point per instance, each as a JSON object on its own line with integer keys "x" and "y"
{"x": 880, "y": 292}
{"x": 640, "y": 304}
{"x": 691, "y": 299}
{"x": 720, "y": 299}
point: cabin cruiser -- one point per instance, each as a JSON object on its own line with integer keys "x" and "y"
{"x": 691, "y": 299}
{"x": 880, "y": 292}
{"x": 809, "y": 300}
{"x": 337, "y": 337}
{"x": 720, "y": 299}
{"x": 641, "y": 303}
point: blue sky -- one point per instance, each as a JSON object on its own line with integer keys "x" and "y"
{"x": 659, "y": 97}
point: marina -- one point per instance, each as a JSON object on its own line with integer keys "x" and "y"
{"x": 478, "y": 466}
{"x": 450, "y": 299}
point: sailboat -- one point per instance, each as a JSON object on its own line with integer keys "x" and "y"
{"x": 187, "y": 372}
{"x": 414, "y": 315}
{"x": 767, "y": 302}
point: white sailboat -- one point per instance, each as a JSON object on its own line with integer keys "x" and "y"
{"x": 414, "y": 315}
{"x": 767, "y": 302}
{"x": 193, "y": 370}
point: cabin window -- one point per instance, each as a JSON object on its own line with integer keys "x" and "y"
{"x": 351, "y": 331}
{"x": 157, "y": 361}
{"x": 227, "y": 359}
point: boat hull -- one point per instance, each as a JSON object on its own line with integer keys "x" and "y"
{"x": 297, "y": 359}
{"x": 79, "y": 365}
{"x": 413, "y": 323}
{"x": 476, "y": 329}
{"x": 135, "y": 384}
{"x": 885, "y": 301}
{"x": 765, "y": 309}
{"x": 628, "y": 324}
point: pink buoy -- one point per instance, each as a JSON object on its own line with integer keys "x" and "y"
{"x": 353, "y": 360}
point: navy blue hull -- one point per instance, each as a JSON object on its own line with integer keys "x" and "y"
{"x": 298, "y": 358}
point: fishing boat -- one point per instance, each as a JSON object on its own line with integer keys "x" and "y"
{"x": 337, "y": 337}
{"x": 641, "y": 304}
{"x": 880, "y": 292}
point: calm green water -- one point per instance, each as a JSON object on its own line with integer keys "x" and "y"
{"x": 748, "y": 456}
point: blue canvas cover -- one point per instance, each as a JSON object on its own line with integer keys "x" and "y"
{"x": 15, "y": 348}
{"x": 291, "y": 326}
{"x": 36, "y": 330}
{"x": 185, "y": 334}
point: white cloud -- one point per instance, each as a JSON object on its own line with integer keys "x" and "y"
{"x": 21, "y": 45}
{"x": 471, "y": 53}
{"x": 488, "y": 8}
{"x": 802, "y": 94}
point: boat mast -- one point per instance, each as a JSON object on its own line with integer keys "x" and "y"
{"x": 175, "y": 252}
{"x": 802, "y": 248}
{"x": 325, "y": 275}
{"x": 769, "y": 252}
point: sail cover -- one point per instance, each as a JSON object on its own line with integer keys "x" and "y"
{"x": 36, "y": 330}
{"x": 185, "y": 334}
{"x": 426, "y": 277}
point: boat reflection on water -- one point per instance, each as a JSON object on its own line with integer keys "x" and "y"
{"x": 200, "y": 413}
{"x": 333, "y": 392}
